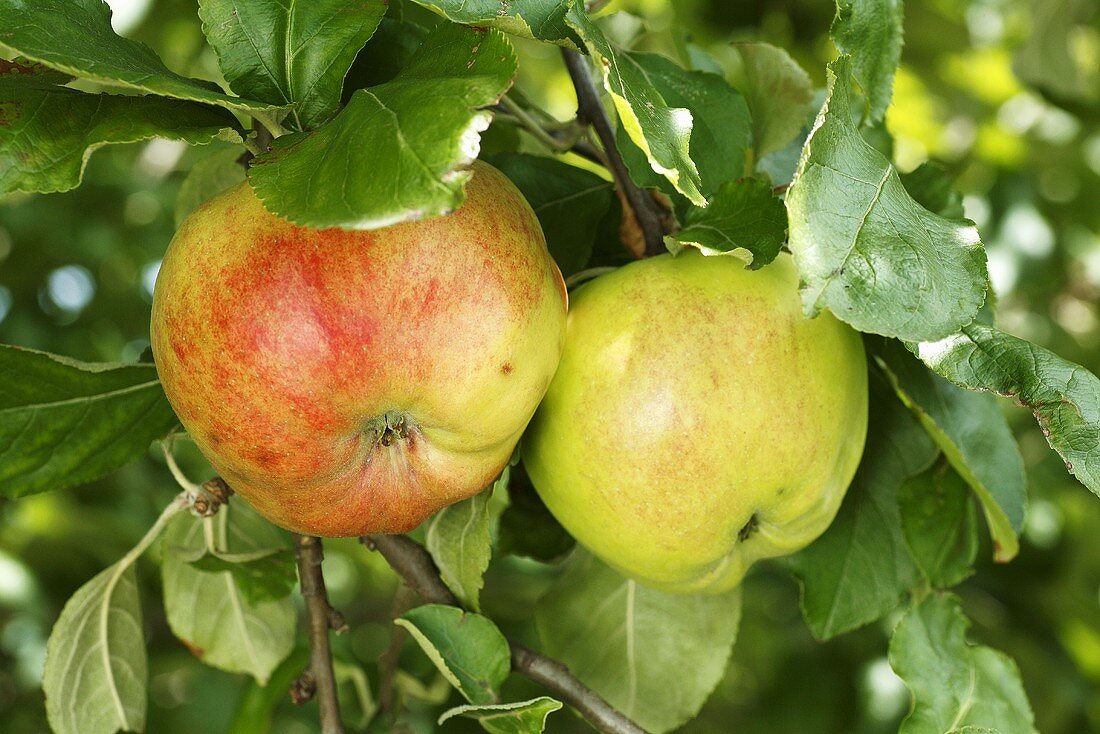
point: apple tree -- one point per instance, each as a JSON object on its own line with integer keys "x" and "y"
{"x": 783, "y": 349}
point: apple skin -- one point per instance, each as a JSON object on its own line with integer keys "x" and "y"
{"x": 353, "y": 382}
{"x": 698, "y": 421}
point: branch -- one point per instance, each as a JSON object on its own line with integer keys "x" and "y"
{"x": 415, "y": 565}
{"x": 591, "y": 110}
{"x": 321, "y": 617}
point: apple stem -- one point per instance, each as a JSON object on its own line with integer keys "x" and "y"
{"x": 320, "y": 618}
{"x": 591, "y": 110}
{"x": 415, "y": 565}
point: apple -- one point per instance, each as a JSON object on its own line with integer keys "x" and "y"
{"x": 353, "y": 382}
{"x": 698, "y": 421}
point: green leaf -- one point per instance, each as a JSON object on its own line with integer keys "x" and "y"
{"x": 468, "y": 649}
{"x": 96, "y": 670}
{"x": 654, "y": 656}
{"x": 209, "y": 610}
{"x": 864, "y": 247}
{"x": 745, "y": 218}
{"x": 460, "y": 544}
{"x": 857, "y": 571}
{"x": 290, "y": 53}
{"x": 64, "y": 422}
{"x": 940, "y": 525}
{"x": 660, "y": 131}
{"x": 569, "y": 202}
{"x": 47, "y": 133}
{"x": 974, "y": 436}
{"x": 955, "y": 686}
{"x": 932, "y": 186}
{"x": 398, "y": 151}
{"x": 208, "y": 177}
{"x": 263, "y": 575}
{"x": 1064, "y": 397}
{"x": 779, "y": 94}
{"x": 522, "y": 717}
{"x": 870, "y": 31}
{"x": 385, "y": 55}
{"x": 75, "y": 36}
{"x": 543, "y": 20}
{"x": 720, "y": 121}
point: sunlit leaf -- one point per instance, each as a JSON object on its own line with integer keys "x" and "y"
{"x": 662, "y": 132}
{"x": 865, "y": 249}
{"x": 539, "y": 19}
{"x": 720, "y": 129}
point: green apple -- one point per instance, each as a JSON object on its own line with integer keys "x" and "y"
{"x": 351, "y": 382}
{"x": 698, "y": 421}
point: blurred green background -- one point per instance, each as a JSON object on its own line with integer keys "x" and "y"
{"x": 1005, "y": 92}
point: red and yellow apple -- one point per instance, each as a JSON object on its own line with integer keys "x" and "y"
{"x": 698, "y": 421}
{"x": 351, "y": 382}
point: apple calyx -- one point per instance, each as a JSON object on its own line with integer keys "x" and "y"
{"x": 389, "y": 428}
{"x": 749, "y": 528}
